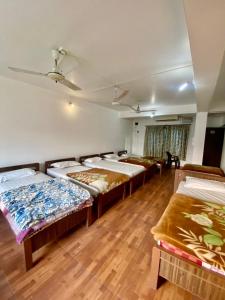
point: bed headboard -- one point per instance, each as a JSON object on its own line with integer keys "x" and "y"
{"x": 82, "y": 158}
{"x": 34, "y": 166}
{"x": 105, "y": 153}
{"x": 49, "y": 162}
{"x": 122, "y": 152}
{"x": 180, "y": 175}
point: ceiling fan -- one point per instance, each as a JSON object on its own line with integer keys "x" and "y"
{"x": 55, "y": 74}
{"x": 118, "y": 94}
{"x": 138, "y": 109}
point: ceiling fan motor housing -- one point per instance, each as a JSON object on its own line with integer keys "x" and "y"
{"x": 55, "y": 76}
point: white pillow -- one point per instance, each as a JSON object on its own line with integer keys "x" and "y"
{"x": 65, "y": 164}
{"x": 15, "y": 174}
{"x": 199, "y": 183}
{"x": 124, "y": 155}
{"x": 93, "y": 159}
{"x": 111, "y": 156}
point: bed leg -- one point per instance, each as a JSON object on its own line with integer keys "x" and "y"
{"x": 155, "y": 264}
{"x": 131, "y": 187}
{"x": 124, "y": 191}
{"x": 160, "y": 170}
{"x": 28, "y": 254}
{"x": 144, "y": 178}
{"x": 99, "y": 206}
{"x": 89, "y": 216}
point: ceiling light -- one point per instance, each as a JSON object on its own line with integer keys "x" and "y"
{"x": 183, "y": 86}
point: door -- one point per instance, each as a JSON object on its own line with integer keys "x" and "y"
{"x": 213, "y": 147}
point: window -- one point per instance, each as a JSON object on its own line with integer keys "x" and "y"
{"x": 172, "y": 138}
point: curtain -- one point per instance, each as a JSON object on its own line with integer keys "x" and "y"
{"x": 172, "y": 138}
{"x": 154, "y": 141}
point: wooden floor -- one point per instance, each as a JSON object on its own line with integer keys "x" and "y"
{"x": 109, "y": 260}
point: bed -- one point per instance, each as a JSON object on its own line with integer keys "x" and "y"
{"x": 135, "y": 173}
{"x": 32, "y": 189}
{"x": 204, "y": 169}
{"x": 190, "y": 251}
{"x": 150, "y": 166}
{"x": 110, "y": 156}
{"x": 181, "y": 174}
{"x": 160, "y": 162}
{"x": 88, "y": 178}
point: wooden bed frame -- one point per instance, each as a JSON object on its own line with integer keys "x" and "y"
{"x": 122, "y": 152}
{"x": 102, "y": 201}
{"x": 200, "y": 282}
{"x": 150, "y": 172}
{"x": 51, "y": 231}
{"x": 105, "y": 153}
{"x": 133, "y": 184}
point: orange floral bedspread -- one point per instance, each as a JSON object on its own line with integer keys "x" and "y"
{"x": 101, "y": 179}
{"x": 196, "y": 227}
{"x": 204, "y": 169}
{"x": 145, "y": 162}
{"x": 158, "y": 160}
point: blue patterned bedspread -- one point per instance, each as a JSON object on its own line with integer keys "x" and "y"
{"x": 30, "y": 207}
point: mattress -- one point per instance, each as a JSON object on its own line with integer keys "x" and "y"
{"x": 61, "y": 173}
{"x": 197, "y": 232}
{"x": 205, "y": 195}
{"x": 13, "y": 184}
{"x": 125, "y": 168}
{"x": 30, "y": 207}
{"x": 124, "y": 157}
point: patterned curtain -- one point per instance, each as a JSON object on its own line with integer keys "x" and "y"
{"x": 172, "y": 138}
{"x": 153, "y": 146}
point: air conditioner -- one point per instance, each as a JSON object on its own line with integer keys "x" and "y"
{"x": 186, "y": 120}
{"x": 166, "y": 118}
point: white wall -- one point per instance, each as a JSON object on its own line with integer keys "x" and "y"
{"x": 139, "y": 135}
{"x": 37, "y": 125}
{"x": 199, "y": 137}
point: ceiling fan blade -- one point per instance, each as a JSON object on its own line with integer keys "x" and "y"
{"x": 127, "y": 105}
{"x": 124, "y": 93}
{"x": 148, "y": 110}
{"x": 26, "y": 71}
{"x": 70, "y": 85}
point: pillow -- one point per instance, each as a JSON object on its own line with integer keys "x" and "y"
{"x": 65, "y": 164}
{"x": 15, "y": 174}
{"x": 93, "y": 159}
{"x": 111, "y": 156}
{"x": 199, "y": 183}
{"x": 124, "y": 155}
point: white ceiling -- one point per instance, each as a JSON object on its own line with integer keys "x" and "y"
{"x": 206, "y": 27}
{"x": 115, "y": 42}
